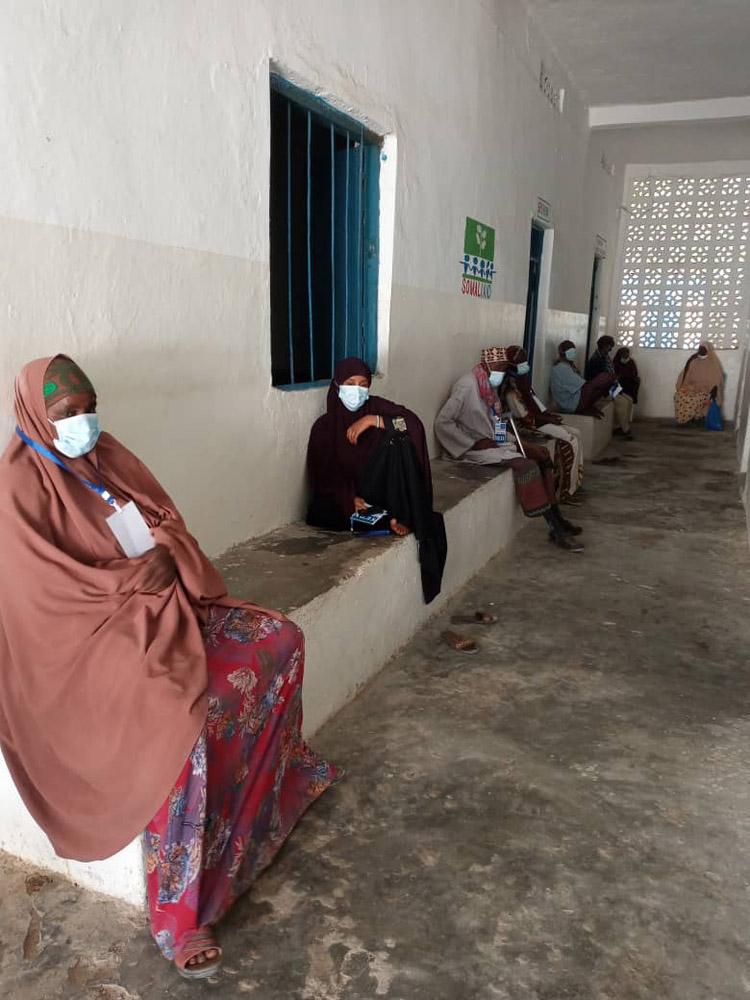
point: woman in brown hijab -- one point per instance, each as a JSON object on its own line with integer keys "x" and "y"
{"x": 700, "y": 381}
{"x": 134, "y": 693}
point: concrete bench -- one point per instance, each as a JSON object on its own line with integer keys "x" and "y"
{"x": 358, "y": 601}
{"x": 595, "y": 434}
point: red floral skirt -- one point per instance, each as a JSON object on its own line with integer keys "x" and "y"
{"x": 249, "y": 777}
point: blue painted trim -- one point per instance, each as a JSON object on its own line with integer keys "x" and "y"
{"x": 360, "y": 261}
{"x": 289, "y": 233}
{"x": 319, "y": 384}
{"x": 346, "y": 253}
{"x": 309, "y": 250}
{"x": 321, "y": 107}
{"x": 371, "y": 255}
{"x": 333, "y": 249}
{"x": 354, "y": 234}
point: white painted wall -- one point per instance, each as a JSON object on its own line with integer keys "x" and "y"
{"x": 134, "y": 212}
{"x": 660, "y": 146}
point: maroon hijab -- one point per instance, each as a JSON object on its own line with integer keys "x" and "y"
{"x": 625, "y": 369}
{"x": 334, "y": 466}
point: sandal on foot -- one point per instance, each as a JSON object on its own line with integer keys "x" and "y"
{"x": 460, "y": 643}
{"x": 478, "y": 618}
{"x": 193, "y": 944}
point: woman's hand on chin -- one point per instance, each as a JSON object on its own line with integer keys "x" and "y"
{"x": 159, "y": 570}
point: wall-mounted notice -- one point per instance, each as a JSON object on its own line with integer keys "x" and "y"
{"x": 543, "y": 211}
{"x": 478, "y": 260}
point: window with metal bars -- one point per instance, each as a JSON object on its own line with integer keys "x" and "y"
{"x": 324, "y": 215}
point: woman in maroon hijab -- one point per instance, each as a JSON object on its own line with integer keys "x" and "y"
{"x": 352, "y": 466}
{"x": 343, "y": 441}
{"x": 134, "y": 692}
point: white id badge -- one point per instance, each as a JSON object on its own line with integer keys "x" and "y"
{"x": 131, "y": 531}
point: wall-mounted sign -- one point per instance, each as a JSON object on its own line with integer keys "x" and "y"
{"x": 555, "y": 95}
{"x": 478, "y": 260}
{"x": 543, "y": 212}
{"x": 600, "y": 246}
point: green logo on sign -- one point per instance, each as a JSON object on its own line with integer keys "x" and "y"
{"x": 479, "y": 259}
{"x": 479, "y": 240}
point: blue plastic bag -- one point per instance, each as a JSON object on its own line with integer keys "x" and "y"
{"x": 713, "y": 417}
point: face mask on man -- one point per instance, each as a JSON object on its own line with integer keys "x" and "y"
{"x": 523, "y": 368}
{"x": 570, "y": 354}
{"x": 77, "y": 435}
{"x": 496, "y": 379}
{"x": 353, "y": 397}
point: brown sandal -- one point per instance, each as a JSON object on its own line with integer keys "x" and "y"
{"x": 460, "y": 643}
{"x": 478, "y": 618}
{"x": 196, "y": 943}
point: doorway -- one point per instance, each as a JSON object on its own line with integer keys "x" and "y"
{"x": 532, "y": 296}
{"x": 592, "y": 328}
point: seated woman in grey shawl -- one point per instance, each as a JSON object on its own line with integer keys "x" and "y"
{"x": 465, "y": 427}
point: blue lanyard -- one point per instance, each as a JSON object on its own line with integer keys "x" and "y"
{"x": 104, "y": 494}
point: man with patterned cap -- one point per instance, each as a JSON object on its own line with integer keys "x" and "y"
{"x": 465, "y": 428}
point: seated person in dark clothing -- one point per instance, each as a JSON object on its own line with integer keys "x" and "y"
{"x": 351, "y": 467}
{"x": 600, "y": 363}
{"x": 571, "y": 392}
{"x": 626, "y": 371}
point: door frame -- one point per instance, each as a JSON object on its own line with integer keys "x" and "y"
{"x": 538, "y": 335}
{"x": 594, "y": 301}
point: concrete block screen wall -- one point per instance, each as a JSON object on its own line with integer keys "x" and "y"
{"x": 134, "y": 199}
{"x": 681, "y": 274}
{"x": 665, "y": 150}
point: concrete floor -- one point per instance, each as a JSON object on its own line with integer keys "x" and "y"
{"x": 565, "y": 815}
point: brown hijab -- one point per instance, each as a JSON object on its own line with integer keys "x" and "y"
{"x": 101, "y": 686}
{"x": 703, "y": 373}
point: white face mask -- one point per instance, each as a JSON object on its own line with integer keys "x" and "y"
{"x": 496, "y": 379}
{"x": 523, "y": 368}
{"x": 353, "y": 397}
{"x": 77, "y": 435}
{"x": 570, "y": 354}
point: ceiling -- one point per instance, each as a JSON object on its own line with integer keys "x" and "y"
{"x": 646, "y": 51}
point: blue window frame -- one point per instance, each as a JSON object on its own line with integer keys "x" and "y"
{"x": 324, "y": 215}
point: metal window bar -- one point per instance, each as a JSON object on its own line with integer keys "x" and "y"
{"x": 333, "y": 249}
{"x": 309, "y": 251}
{"x": 346, "y": 252}
{"x": 360, "y": 257}
{"x": 289, "y": 235}
{"x": 349, "y": 314}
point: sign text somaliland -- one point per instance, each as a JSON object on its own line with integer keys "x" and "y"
{"x": 478, "y": 260}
